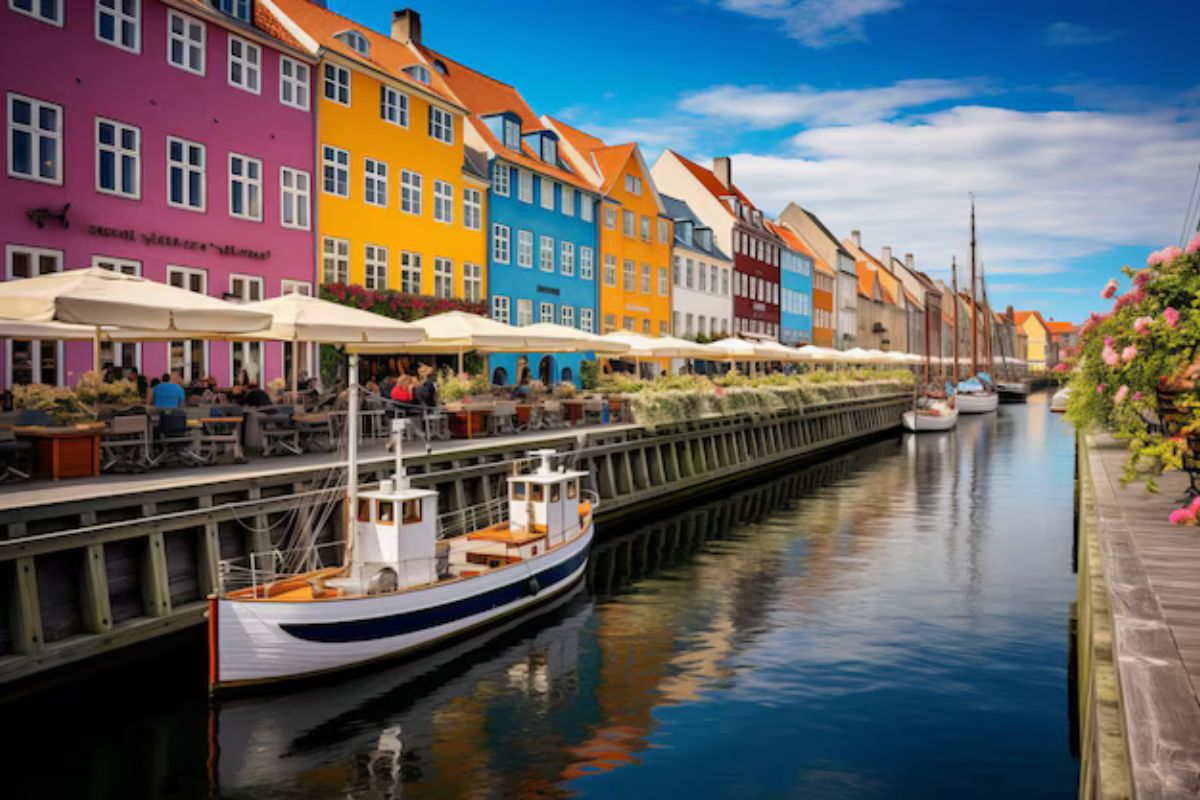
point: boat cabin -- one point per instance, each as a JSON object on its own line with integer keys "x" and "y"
{"x": 396, "y": 528}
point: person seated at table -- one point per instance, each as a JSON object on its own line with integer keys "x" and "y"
{"x": 255, "y": 397}
{"x": 386, "y": 385}
{"x": 167, "y": 394}
{"x": 137, "y": 379}
{"x": 402, "y": 392}
{"x": 426, "y": 393}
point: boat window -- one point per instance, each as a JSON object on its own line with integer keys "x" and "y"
{"x": 554, "y": 493}
{"x": 538, "y": 493}
{"x": 412, "y": 511}
{"x": 386, "y": 511}
{"x": 572, "y": 489}
{"x": 518, "y": 490}
{"x": 364, "y": 510}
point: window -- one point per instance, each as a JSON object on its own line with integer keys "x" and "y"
{"x": 568, "y": 201}
{"x": 712, "y": 278}
{"x": 646, "y": 327}
{"x": 725, "y": 282}
{"x": 610, "y": 218}
{"x": 501, "y": 243}
{"x": 500, "y": 309}
{"x": 512, "y": 134}
{"x": 586, "y": 263}
{"x": 664, "y": 286}
{"x": 393, "y": 106}
{"x": 633, "y": 184}
{"x": 335, "y": 255}
{"x": 441, "y": 125}
{"x": 524, "y": 248}
{"x": 645, "y": 228}
{"x": 662, "y": 231}
{"x": 587, "y": 320}
{"x": 419, "y": 72}
{"x": 122, "y": 265}
{"x": 238, "y": 9}
{"x": 118, "y": 158}
{"x": 375, "y": 182}
{"x": 524, "y": 312}
{"x": 628, "y": 223}
{"x": 547, "y": 193}
{"x": 45, "y": 10}
{"x": 32, "y": 361}
{"x": 689, "y": 274}
{"x": 443, "y": 202}
{"x": 645, "y": 279}
{"x": 678, "y": 270}
{"x": 35, "y": 139}
{"x": 186, "y": 163}
{"x": 546, "y": 254}
{"x": 189, "y": 358}
{"x": 337, "y": 84}
{"x": 702, "y": 276}
{"x": 549, "y": 150}
{"x": 628, "y": 323}
{"x": 566, "y": 315}
{"x": 443, "y": 277}
{"x": 293, "y": 83}
{"x": 245, "y": 187}
{"x": 118, "y": 22}
{"x": 294, "y": 196}
{"x": 567, "y": 258}
{"x": 410, "y": 192}
{"x": 335, "y": 167}
{"x": 472, "y": 209}
{"x": 501, "y": 177}
{"x": 375, "y": 261}
{"x": 524, "y": 186}
{"x": 288, "y": 286}
{"x": 185, "y": 42}
{"x": 628, "y": 276}
{"x": 356, "y": 41}
{"x": 610, "y": 270}
{"x": 410, "y": 273}
{"x": 245, "y": 61}
{"x": 586, "y": 208}
{"x": 545, "y": 312}
{"x": 472, "y": 282}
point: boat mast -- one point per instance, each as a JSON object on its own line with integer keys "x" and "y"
{"x": 351, "y": 456}
{"x": 954, "y": 284}
{"x": 974, "y": 305}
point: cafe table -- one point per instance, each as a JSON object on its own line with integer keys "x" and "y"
{"x": 64, "y": 451}
{"x": 467, "y": 419}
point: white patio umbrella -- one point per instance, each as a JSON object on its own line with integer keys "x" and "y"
{"x": 98, "y": 297}
{"x": 778, "y": 350}
{"x": 857, "y": 355}
{"x": 815, "y": 354}
{"x": 581, "y": 341}
{"x": 659, "y": 346}
{"x": 732, "y": 349}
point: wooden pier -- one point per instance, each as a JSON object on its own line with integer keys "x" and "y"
{"x": 91, "y": 566}
{"x": 1138, "y": 643}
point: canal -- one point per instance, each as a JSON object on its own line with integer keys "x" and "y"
{"x": 892, "y": 622}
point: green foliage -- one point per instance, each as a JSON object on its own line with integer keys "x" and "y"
{"x": 93, "y": 391}
{"x": 59, "y": 401}
{"x": 588, "y": 372}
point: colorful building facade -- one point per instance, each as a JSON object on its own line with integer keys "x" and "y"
{"x": 1040, "y": 354}
{"x": 162, "y": 139}
{"x": 795, "y": 289}
{"x": 635, "y": 232}
{"x": 701, "y": 278}
{"x": 845, "y": 274}
{"x": 401, "y": 203}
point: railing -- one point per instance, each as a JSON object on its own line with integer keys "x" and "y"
{"x": 472, "y": 518}
{"x": 268, "y": 566}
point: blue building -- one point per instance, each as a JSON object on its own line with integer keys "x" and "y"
{"x": 795, "y": 291}
{"x": 542, "y": 230}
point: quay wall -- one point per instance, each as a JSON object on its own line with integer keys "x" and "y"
{"x": 83, "y": 578}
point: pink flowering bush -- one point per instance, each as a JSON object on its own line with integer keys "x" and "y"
{"x": 1186, "y": 515}
{"x": 1109, "y": 289}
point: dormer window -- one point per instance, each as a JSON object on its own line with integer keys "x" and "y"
{"x": 549, "y": 150}
{"x": 440, "y": 66}
{"x": 418, "y": 72}
{"x": 683, "y": 231}
{"x": 705, "y": 236}
{"x": 512, "y": 133}
{"x": 238, "y": 9}
{"x": 355, "y": 41}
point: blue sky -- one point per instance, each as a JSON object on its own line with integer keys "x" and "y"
{"x": 1076, "y": 124}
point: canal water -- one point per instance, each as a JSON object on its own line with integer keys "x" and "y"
{"x": 890, "y": 623}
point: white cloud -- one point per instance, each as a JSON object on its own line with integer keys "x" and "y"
{"x": 815, "y": 23}
{"x": 761, "y": 107}
{"x": 1070, "y": 34}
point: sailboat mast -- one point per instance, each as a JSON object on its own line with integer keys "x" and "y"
{"x": 954, "y": 284}
{"x": 974, "y": 305}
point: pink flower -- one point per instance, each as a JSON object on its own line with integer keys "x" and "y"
{"x": 1110, "y": 356}
{"x": 1108, "y": 341}
{"x": 1061, "y": 367}
{"x": 1109, "y": 289}
{"x": 1100, "y": 388}
{"x": 1194, "y": 506}
{"x": 1193, "y": 246}
{"x": 1121, "y": 394}
{"x": 1171, "y": 316}
{"x": 1171, "y": 253}
{"x": 1154, "y": 259}
{"x": 1137, "y": 396}
{"x": 1142, "y": 277}
{"x": 1129, "y": 353}
{"x": 1182, "y": 516}
{"x": 1142, "y": 325}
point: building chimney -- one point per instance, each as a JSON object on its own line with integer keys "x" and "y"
{"x": 406, "y": 26}
{"x": 723, "y": 169}
{"x": 886, "y": 252}
{"x": 908, "y": 262}
{"x": 856, "y": 237}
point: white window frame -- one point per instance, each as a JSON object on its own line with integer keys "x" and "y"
{"x": 610, "y": 270}
{"x": 441, "y": 125}
{"x": 375, "y": 267}
{"x": 247, "y": 352}
{"x": 647, "y": 280}
{"x": 587, "y": 263}
{"x": 336, "y": 251}
{"x": 251, "y": 68}
{"x": 119, "y": 152}
{"x": 35, "y": 134}
{"x": 525, "y": 249}
{"x": 120, "y": 18}
{"x": 566, "y": 315}
{"x": 295, "y": 197}
{"x": 664, "y": 281}
{"x": 501, "y": 243}
{"x": 628, "y": 276}
{"x": 187, "y": 44}
{"x": 299, "y": 82}
{"x": 337, "y": 78}
{"x": 187, "y": 169}
{"x": 524, "y": 185}
{"x": 472, "y": 209}
{"x": 288, "y": 286}
{"x": 32, "y": 12}
{"x": 337, "y": 160}
{"x": 35, "y": 344}
{"x": 411, "y": 190}
{"x": 394, "y": 106}
{"x": 501, "y": 307}
{"x": 547, "y": 193}
{"x": 502, "y": 187}
{"x": 375, "y": 182}
{"x": 512, "y": 133}
{"x": 587, "y": 320}
{"x": 524, "y": 311}
{"x": 251, "y": 187}
{"x": 472, "y": 281}
{"x": 566, "y": 258}
{"x": 443, "y": 202}
{"x": 443, "y": 277}
{"x": 411, "y": 272}
{"x": 545, "y": 311}
{"x": 587, "y": 208}
{"x": 567, "y": 201}
{"x": 187, "y": 273}
{"x": 546, "y": 254}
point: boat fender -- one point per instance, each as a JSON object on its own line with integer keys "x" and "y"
{"x": 385, "y": 581}
{"x": 533, "y": 587}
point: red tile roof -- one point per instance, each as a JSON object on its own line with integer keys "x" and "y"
{"x": 1060, "y": 327}
{"x": 797, "y": 242}
{"x": 709, "y": 181}
{"x": 264, "y": 21}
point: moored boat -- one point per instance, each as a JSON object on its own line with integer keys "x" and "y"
{"x": 1058, "y": 403}
{"x": 977, "y": 402}
{"x": 931, "y": 419}
{"x": 1012, "y": 391}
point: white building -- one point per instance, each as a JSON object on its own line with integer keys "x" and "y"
{"x": 701, "y": 291}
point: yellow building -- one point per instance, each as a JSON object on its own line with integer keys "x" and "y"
{"x": 635, "y": 232}
{"x": 1038, "y": 337}
{"x": 401, "y": 204}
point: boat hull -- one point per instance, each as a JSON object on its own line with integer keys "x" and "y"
{"x": 257, "y": 642}
{"x": 1058, "y": 403}
{"x": 924, "y": 423}
{"x": 1016, "y": 392}
{"x": 977, "y": 403}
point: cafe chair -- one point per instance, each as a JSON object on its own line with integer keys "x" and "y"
{"x": 593, "y": 412}
{"x": 552, "y": 415}
{"x": 280, "y": 435}
{"x": 502, "y": 418}
{"x": 174, "y": 442}
{"x": 224, "y": 436}
{"x": 316, "y": 432}
{"x": 125, "y": 445}
{"x": 16, "y": 457}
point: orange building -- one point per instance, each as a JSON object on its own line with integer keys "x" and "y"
{"x": 635, "y": 232}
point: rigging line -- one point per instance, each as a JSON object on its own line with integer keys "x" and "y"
{"x": 1193, "y": 204}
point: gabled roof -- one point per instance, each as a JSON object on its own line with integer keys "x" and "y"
{"x": 828, "y": 234}
{"x": 264, "y": 21}
{"x": 1058, "y": 328}
{"x": 606, "y": 161}
{"x": 679, "y": 211}
{"x": 317, "y": 28}
{"x": 483, "y": 96}
{"x": 796, "y": 241}
{"x": 1021, "y": 316}
{"x": 709, "y": 181}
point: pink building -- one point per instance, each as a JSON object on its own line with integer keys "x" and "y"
{"x": 174, "y": 140}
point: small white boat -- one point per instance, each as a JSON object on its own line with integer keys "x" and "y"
{"x": 977, "y": 402}
{"x": 937, "y": 417}
{"x": 1058, "y": 403}
{"x": 1013, "y": 391}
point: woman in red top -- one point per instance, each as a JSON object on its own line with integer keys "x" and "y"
{"x": 402, "y": 391}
